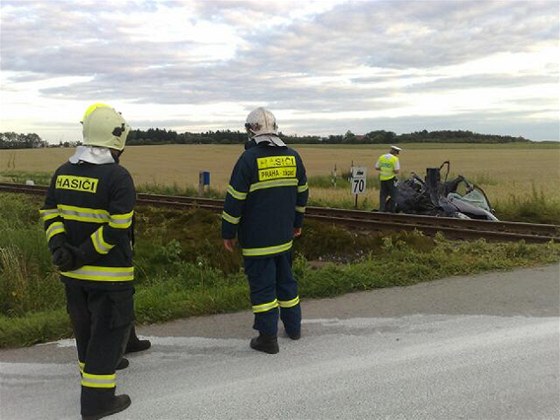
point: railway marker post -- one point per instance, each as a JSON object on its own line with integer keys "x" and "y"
{"x": 203, "y": 182}
{"x": 358, "y": 182}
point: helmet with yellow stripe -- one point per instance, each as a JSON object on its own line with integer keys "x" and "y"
{"x": 103, "y": 126}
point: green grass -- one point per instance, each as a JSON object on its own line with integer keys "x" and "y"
{"x": 536, "y": 208}
{"x": 182, "y": 269}
{"x": 20, "y": 177}
{"x": 175, "y": 189}
{"x": 34, "y": 328}
{"x": 28, "y": 281}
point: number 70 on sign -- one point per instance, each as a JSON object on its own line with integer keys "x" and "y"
{"x": 358, "y": 183}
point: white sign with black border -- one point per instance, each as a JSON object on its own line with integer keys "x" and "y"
{"x": 358, "y": 183}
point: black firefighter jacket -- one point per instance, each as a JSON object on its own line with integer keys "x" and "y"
{"x": 91, "y": 207}
{"x": 265, "y": 200}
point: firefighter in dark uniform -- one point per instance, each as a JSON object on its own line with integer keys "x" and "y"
{"x": 88, "y": 214}
{"x": 264, "y": 209}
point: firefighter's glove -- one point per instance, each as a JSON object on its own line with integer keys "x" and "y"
{"x": 62, "y": 257}
{"x": 68, "y": 257}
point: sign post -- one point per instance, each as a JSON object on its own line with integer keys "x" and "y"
{"x": 358, "y": 182}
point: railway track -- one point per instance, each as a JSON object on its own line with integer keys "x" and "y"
{"x": 364, "y": 220}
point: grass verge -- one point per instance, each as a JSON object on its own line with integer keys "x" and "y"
{"x": 182, "y": 269}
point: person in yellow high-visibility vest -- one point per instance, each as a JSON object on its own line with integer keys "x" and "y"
{"x": 388, "y": 166}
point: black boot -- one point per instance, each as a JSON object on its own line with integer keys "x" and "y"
{"x": 137, "y": 345}
{"x": 123, "y": 364}
{"x": 294, "y": 335}
{"x": 99, "y": 403}
{"x": 265, "y": 343}
{"x": 134, "y": 344}
{"x": 119, "y": 403}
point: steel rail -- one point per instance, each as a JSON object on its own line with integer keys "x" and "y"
{"x": 364, "y": 220}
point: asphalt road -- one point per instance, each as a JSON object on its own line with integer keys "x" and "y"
{"x": 472, "y": 347}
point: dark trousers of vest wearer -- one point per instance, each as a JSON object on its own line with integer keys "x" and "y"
{"x": 101, "y": 321}
{"x": 387, "y": 189}
{"x": 269, "y": 279}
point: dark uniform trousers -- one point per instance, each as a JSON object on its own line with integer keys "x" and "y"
{"x": 387, "y": 189}
{"x": 271, "y": 280}
{"x": 101, "y": 320}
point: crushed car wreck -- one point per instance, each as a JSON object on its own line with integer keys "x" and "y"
{"x": 457, "y": 198}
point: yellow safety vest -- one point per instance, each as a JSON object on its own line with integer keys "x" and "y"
{"x": 387, "y": 163}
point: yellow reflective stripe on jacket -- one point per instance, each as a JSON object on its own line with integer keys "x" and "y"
{"x": 229, "y": 218}
{"x": 264, "y": 307}
{"x": 236, "y": 194}
{"x": 48, "y": 214}
{"x": 54, "y": 229}
{"x": 288, "y": 303}
{"x": 97, "y": 273}
{"x": 121, "y": 221}
{"x": 269, "y": 250}
{"x": 81, "y": 366}
{"x": 302, "y": 188}
{"x": 83, "y": 214}
{"x": 300, "y": 209}
{"x": 292, "y": 182}
{"x": 99, "y": 381}
{"x": 100, "y": 245}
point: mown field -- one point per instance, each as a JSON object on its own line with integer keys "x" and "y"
{"x": 511, "y": 174}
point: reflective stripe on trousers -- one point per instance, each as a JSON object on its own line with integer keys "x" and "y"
{"x": 272, "y": 285}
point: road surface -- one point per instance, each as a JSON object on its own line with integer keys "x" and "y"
{"x": 469, "y": 347}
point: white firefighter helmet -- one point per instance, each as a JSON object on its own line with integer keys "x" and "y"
{"x": 261, "y": 121}
{"x": 104, "y": 127}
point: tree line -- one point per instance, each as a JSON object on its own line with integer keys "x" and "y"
{"x": 156, "y": 136}
{"x": 11, "y": 140}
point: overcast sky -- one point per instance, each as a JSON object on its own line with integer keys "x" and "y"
{"x": 322, "y": 67}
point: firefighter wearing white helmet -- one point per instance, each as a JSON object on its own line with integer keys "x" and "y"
{"x": 263, "y": 211}
{"x": 261, "y": 127}
{"x": 88, "y": 217}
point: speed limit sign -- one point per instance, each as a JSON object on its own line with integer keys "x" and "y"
{"x": 358, "y": 183}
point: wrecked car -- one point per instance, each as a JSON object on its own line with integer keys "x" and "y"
{"x": 456, "y": 198}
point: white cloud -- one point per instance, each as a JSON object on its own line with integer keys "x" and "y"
{"x": 324, "y": 67}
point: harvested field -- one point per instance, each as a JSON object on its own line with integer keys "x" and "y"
{"x": 502, "y": 170}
